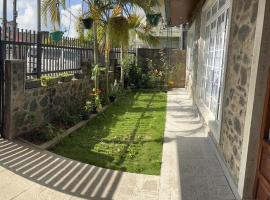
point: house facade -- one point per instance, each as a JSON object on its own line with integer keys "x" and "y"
{"x": 228, "y": 51}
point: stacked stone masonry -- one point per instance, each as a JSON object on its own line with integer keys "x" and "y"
{"x": 27, "y": 109}
{"x": 240, "y": 54}
{"x": 237, "y": 74}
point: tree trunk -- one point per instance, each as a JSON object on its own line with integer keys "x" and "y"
{"x": 122, "y": 81}
{"x": 107, "y": 63}
{"x": 96, "y": 54}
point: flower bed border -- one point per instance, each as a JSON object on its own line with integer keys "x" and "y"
{"x": 51, "y": 143}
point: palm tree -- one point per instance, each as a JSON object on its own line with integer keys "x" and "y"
{"x": 50, "y": 9}
{"x": 104, "y": 13}
{"x": 116, "y": 20}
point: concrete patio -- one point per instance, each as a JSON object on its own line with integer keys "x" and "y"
{"x": 190, "y": 168}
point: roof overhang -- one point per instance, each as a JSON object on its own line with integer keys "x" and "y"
{"x": 179, "y": 11}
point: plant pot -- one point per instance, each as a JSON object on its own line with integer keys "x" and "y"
{"x": 57, "y": 36}
{"x": 86, "y": 116}
{"x": 30, "y": 84}
{"x": 94, "y": 111}
{"x": 87, "y": 22}
{"x": 66, "y": 78}
{"x": 78, "y": 75}
{"x": 153, "y": 19}
{"x": 112, "y": 98}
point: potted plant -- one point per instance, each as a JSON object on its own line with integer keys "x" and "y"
{"x": 98, "y": 105}
{"x": 78, "y": 75}
{"x": 96, "y": 101}
{"x": 153, "y": 18}
{"x": 171, "y": 84}
{"x": 65, "y": 77}
{"x": 32, "y": 83}
{"x": 57, "y": 36}
{"x": 87, "y": 22}
{"x": 114, "y": 91}
{"x": 49, "y": 80}
{"x": 87, "y": 109}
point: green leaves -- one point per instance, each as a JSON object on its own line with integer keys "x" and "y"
{"x": 50, "y": 10}
{"x": 118, "y": 30}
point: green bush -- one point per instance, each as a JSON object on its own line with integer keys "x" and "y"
{"x": 49, "y": 80}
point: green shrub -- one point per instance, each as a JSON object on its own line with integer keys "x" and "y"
{"x": 49, "y": 80}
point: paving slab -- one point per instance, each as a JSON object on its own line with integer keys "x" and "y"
{"x": 190, "y": 169}
{"x": 27, "y": 172}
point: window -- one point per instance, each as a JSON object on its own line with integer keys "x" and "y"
{"x": 221, "y": 3}
{"x": 208, "y": 15}
{"x": 214, "y": 9}
{"x": 214, "y": 49}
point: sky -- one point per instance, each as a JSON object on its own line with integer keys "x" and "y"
{"x": 27, "y": 15}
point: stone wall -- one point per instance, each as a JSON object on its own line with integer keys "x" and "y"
{"x": 239, "y": 62}
{"x": 240, "y": 55}
{"x": 176, "y": 57}
{"x": 27, "y": 109}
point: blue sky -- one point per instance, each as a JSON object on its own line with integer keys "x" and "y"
{"x": 27, "y": 14}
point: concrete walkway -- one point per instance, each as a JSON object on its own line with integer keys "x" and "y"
{"x": 190, "y": 169}
{"x": 26, "y": 171}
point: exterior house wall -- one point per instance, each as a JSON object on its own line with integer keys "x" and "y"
{"x": 194, "y": 35}
{"x": 240, "y": 55}
{"x": 239, "y": 60}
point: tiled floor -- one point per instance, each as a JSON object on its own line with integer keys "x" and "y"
{"x": 190, "y": 169}
{"x": 31, "y": 174}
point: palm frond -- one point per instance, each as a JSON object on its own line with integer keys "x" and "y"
{"x": 50, "y": 9}
{"x": 134, "y": 21}
{"x": 148, "y": 38}
{"x": 118, "y": 30}
{"x": 146, "y": 5}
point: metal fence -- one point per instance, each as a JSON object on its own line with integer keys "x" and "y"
{"x": 42, "y": 55}
{"x": 115, "y": 54}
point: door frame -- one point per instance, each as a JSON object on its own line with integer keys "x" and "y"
{"x": 264, "y": 127}
{"x": 2, "y": 83}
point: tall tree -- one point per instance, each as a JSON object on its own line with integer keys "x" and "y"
{"x": 106, "y": 32}
{"x": 50, "y": 10}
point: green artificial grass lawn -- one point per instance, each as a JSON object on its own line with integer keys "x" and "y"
{"x": 128, "y": 136}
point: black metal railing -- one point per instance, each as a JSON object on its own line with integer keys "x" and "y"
{"x": 115, "y": 54}
{"x": 43, "y": 56}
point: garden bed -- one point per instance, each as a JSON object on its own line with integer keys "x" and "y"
{"x": 128, "y": 136}
{"x": 48, "y": 136}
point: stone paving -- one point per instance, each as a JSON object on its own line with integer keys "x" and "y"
{"x": 190, "y": 169}
{"x": 67, "y": 176}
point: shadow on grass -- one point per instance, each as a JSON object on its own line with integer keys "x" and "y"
{"x": 53, "y": 171}
{"x": 107, "y": 139}
{"x": 134, "y": 132}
